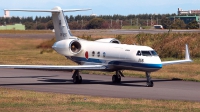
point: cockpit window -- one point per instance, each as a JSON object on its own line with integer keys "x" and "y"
{"x": 146, "y": 53}
{"x": 138, "y": 53}
{"x": 154, "y": 53}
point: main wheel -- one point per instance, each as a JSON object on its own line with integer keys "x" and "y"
{"x": 116, "y": 79}
{"x": 150, "y": 84}
{"x": 77, "y": 79}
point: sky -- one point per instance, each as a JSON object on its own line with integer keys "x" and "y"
{"x": 100, "y": 7}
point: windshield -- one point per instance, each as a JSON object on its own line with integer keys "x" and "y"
{"x": 154, "y": 53}
{"x": 147, "y": 53}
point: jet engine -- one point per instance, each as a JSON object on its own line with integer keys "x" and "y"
{"x": 109, "y": 40}
{"x": 68, "y": 47}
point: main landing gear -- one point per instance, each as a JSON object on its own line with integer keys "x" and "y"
{"x": 116, "y": 78}
{"x": 77, "y": 79}
{"x": 149, "y": 81}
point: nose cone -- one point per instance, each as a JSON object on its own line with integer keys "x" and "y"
{"x": 154, "y": 63}
{"x": 157, "y": 63}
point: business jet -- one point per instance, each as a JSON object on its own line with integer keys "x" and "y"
{"x": 101, "y": 55}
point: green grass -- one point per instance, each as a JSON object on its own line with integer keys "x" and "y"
{"x": 24, "y": 31}
{"x": 23, "y": 101}
{"x": 136, "y": 27}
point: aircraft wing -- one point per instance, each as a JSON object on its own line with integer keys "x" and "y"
{"x": 187, "y": 58}
{"x": 51, "y": 67}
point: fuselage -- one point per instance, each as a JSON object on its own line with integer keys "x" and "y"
{"x": 113, "y": 56}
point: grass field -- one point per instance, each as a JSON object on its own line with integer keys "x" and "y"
{"x": 23, "y": 101}
{"x": 24, "y": 51}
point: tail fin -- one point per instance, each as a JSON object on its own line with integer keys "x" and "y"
{"x": 61, "y": 27}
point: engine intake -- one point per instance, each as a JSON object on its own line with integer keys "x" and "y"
{"x": 67, "y": 47}
{"x": 75, "y": 46}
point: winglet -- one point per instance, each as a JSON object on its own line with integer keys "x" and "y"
{"x": 186, "y": 60}
{"x": 187, "y": 53}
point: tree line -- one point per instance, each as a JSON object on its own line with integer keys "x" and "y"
{"x": 103, "y": 21}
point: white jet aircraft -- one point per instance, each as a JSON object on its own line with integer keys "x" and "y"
{"x": 102, "y": 55}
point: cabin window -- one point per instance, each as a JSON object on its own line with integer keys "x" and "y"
{"x": 138, "y": 53}
{"x": 104, "y": 54}
{"x": 98, "y": 54}
{"x": 93, "y": 53}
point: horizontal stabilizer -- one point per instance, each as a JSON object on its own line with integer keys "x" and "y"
{"x": 57, "y": 9}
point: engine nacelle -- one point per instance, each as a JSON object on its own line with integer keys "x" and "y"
{"x": 109, "y": 40}
{"x": 68, "y": 47}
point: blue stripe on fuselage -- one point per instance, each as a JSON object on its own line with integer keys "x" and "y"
{"x": 117, "y": 63}
{"x": 143, "y": 65}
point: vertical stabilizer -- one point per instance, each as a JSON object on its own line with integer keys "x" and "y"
{"x": 61, "y": 27}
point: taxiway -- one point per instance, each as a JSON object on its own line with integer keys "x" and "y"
{"x": 99, "y": 85}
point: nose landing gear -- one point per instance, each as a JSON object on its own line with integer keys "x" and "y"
{"x": 149, "y": 81}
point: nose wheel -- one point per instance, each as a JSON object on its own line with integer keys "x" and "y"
{"x": 150, "y": 84}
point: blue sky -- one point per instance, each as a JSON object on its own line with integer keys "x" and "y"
{"x": 101, "y": 7}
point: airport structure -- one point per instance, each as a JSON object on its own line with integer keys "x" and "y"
{"x": 13, "y": 27}
{"x": 186, "y": 19}
{"x": 181, "y": 11}
{"x": 6, "y": 14}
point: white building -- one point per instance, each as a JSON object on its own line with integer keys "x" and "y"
{"x": 6, "y": 14}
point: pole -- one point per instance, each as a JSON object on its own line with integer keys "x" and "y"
{"x": 81, "y": 24}
{"x": 111, "y": 23}
{"x": 121, "y": 23}
{"x": 131, "y": 22}
{"x": 157, "y": 20}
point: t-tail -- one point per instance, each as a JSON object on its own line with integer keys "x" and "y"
{"x": 61, "y": 27}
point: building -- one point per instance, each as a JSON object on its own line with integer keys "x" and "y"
{"x": 13, "y": 27}
{"x": 181, "y": 11}
{"x": 6, "y": 14}
{"x": 186, "y": 19}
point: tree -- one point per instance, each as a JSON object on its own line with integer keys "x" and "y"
{"x": 74, "y": 25}
{"x": 40, "y": 26}
{"x": 50, "y": 25}
{"x": 29, "y": 25}
{"x": 178, "y": 24}
{"x": 95, "y": 23}
{"x": 166, "y": 22}
{"x": 193, "y": 25}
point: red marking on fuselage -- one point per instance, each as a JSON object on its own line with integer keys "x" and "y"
{"x": 86, "y": 55}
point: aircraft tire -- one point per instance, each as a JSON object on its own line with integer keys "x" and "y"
{"x": 77, "y": 80}
{"x": 116, "y": 79}
{"x": 150, "y": 84}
